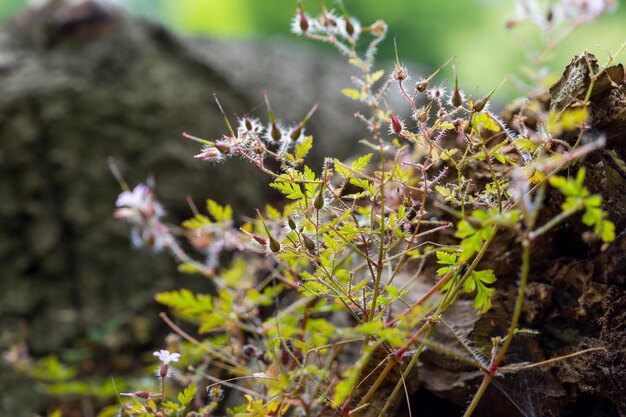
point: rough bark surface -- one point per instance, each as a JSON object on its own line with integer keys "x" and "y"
{"x": 576, "y": 298}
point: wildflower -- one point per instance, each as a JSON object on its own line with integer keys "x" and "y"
{"x": 138, "y": 204}
{"x": 166, "y": 357}
{"x": 140, "y": 209}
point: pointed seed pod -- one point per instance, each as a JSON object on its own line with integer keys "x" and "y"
{"x": 291, "y": 223}
{"x": 295, "y": 134}
{"x": 421, "y": 86}
{"x": 422, "y": 115}
{"x": 274, "y": 245}
{"x": 275, "y": 133}
{"x": 349, "y": 26}
{"x": 319, "y": 200}
{"x": 302, "y": 21}
{"x": 308, "y": 243}
{"x": 480, "y": 104}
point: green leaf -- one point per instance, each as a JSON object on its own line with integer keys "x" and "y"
{"x": 525, "y": 144}
{"x": 303, "y": 148}
{"x": 375, "y": 76}
{"x": 484, "y": 120}
{"x": 186, "y": 303}
{"x": 351, "y": 93}
{"x": 187, "y": 395}
{"x": 219, "y": 213}
{"x": 292, "y": 191}
{"x": 478, "y": 281}
{"x": 361, "y": 163}
{"x": 197, "y": 222}
{"x": 446, "y": 258}
{"x": 607, "y": 231}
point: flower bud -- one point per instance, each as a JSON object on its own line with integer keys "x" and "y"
{"x": 396, "y": 125}
{"x": 291, "y": 223}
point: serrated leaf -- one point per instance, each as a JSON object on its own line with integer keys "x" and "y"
{"x": 292, "y": 191}
{"x": 303, "y": 148}
{"x": 361, "y": 163}
{"x": 219, "y": 213}
{"x": 446, "y": 258}
{"x": 197, "y": 222}
{"x": 187, "y": 395}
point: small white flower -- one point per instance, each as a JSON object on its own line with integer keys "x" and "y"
{"x": 166, "y": 357}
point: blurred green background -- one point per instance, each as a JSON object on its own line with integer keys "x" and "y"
{"x": 428, "y": 31}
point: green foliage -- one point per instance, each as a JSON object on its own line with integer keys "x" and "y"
{"x": 577, "y": 198}
{"x": 349, "y": 238}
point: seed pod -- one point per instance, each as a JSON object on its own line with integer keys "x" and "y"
{"x": 319, "y": 200}
{"x": 295, "y": 134}
{"x": 291, "y": 223}
{"x": 274, "y": 245}
{"x": 308, "y": 243}
{"x": 480, "y": 104}
{"x": 422, "y": 115}
{"x": 223, "y": 148}
{"x": 302, "y": 22}
{"x": 349, "y": 26}
{"x": 275, "y": 133}
{"x": 421, "y": 86}
{"x": 248, "y": 124}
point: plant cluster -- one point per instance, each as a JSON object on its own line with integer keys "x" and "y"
{"x": 316, "y": 289}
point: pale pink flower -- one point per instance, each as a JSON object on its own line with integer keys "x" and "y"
{"x": 166, "y": 357}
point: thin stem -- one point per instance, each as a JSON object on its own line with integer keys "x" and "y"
{"x": 514, "y": 321}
